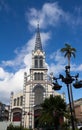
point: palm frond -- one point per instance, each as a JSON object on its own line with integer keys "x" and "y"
{"x": 68, "y": 51}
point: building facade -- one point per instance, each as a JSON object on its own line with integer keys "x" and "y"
{"x": 25, "y": 106}
{"x": 78, "y": 110}
{"x": 4, "y": 112}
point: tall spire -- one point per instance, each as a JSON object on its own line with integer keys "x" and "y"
{"x": 38, "y": 44}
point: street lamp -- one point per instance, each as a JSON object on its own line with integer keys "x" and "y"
{"x": 68, "y": 79}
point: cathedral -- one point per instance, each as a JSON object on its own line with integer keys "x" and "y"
{"x": 25, "y": 105}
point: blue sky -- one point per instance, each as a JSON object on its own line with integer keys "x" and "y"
{"x": 60, "y": 22}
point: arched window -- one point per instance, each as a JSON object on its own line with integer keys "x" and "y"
{"x": 21, "y": 100}
{"x": 36, "y": 62}
{"x": 41, "y": 76}
{"x": 35, "y": 76}
{"x": 18, "y": 101}
{"x": 39, "y": 91}
{"x": 41, "y": 62}
{"x": 14, "y": 102}
{"x": 38, "y": 76}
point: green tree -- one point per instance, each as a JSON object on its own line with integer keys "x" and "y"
{"x": 68, "y": 51}
{"x": 52, "y": 109}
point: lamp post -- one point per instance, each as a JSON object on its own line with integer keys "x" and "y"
{"x": 68, "y": 79}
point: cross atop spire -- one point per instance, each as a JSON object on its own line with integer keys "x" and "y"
{"x": 38, "y": 44}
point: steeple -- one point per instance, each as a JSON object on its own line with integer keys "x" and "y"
{"x": 38, "y": 44}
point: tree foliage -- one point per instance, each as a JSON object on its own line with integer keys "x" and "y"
{"x": 52, "y": 109}
{"x": 68, "y": 51}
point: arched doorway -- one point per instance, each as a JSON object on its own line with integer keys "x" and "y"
{"x": 38, "y": 99}
{"x": 17, "y": 114}
{"x": 38, "y": 94}
{"x": 37, "y": 110}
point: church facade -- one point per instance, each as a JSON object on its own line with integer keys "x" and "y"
{"x": 25, "y": 106}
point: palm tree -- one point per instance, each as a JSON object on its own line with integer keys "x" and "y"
{"x": 68, "y": 52}
{"x": 52, "y": 109}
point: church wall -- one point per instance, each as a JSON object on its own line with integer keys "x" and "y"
{"x": 27, "y": 96}
{"x": 16, "y": 96}
{"x": 37, "y": 86}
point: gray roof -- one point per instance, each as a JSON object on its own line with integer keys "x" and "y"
{"x": 38, "y": 44}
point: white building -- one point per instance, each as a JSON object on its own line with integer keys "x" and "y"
{"x": 25, "y": 106}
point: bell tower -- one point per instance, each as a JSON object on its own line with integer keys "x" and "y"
{"x": 37, "y": 85}
{"x": 25, "y": 105}
{"x": 38, "y": 70}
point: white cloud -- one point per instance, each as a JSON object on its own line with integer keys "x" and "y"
{"x": 4, "y": 6}
{"x": 79, "y": 68}
{"x": 76, "y": 68}
{"x": 57, "y": 57}
{"x": 50, "y": 12}
{"x": 54, "y": 15}
{"x": 11, "y": 82}
{"x": 14, "y": 81}
{"x": 56, "y": 68}
{"x": 58, "y": 63}
{"x": 4, "y": 74}
{"x": 26, "y": 50}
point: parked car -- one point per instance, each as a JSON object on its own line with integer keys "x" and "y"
{"x": 79, "y": 126}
